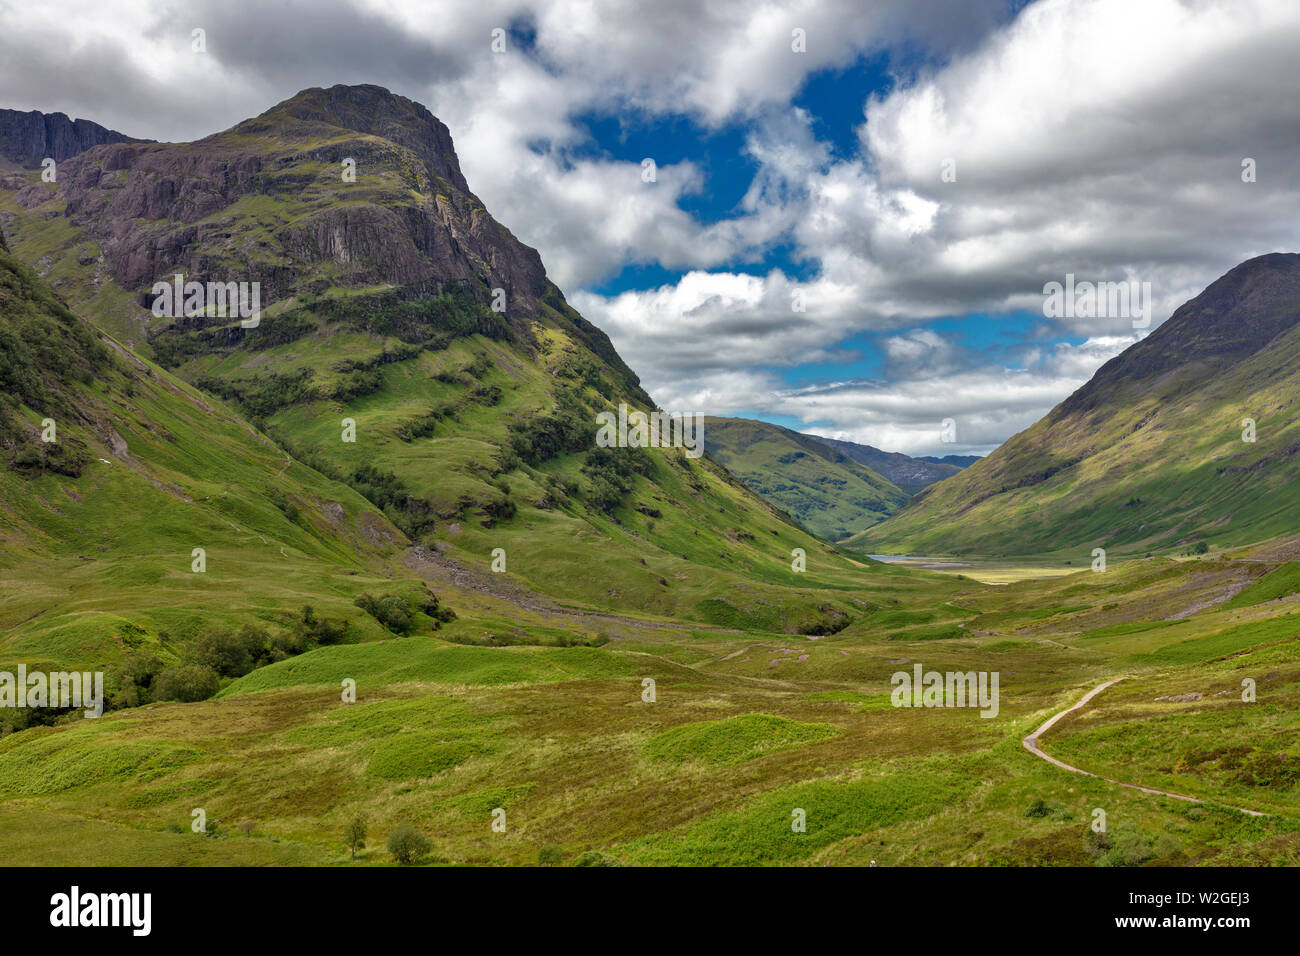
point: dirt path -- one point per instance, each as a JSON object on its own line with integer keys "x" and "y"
{"x": 1031, "y": 744}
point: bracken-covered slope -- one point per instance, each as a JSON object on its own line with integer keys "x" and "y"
{"x": 827, "y": 492}
{"x": 474, "y": 426}
{"x": 1149, "y": 455}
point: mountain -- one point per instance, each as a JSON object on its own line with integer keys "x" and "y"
{"x": 910, "y": 474}
{"x": 410, "y": 347}
{"x": 28, "y": 138}
{"x": 113, "y": 472}
{"x": 960, "y": 461}
{"x": 1150, "y": 454}
{"x": 827, "y": 492}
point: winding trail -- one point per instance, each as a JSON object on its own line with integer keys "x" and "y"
{"x": 1031, "y": 744}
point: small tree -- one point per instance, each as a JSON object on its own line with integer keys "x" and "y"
{"x": 550, "y": 855}
{"x": 354, "y": 835}
{"x": 408, "y": 844}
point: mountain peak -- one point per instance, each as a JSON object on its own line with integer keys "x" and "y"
{"x": 372, "y": 111}
{"x": 410, "y": 223}
{"x": 1233, "y": 318}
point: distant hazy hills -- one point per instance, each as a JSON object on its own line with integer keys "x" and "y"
{"x": 910, "y": 474}
{"x": 833, "y": 488}
{"x": 1154, "y": 453}
{"x": 827, "y": 492}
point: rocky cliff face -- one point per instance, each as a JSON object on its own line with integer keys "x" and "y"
{"x": 274, "y": 200}
{"x": 28, "y": 138}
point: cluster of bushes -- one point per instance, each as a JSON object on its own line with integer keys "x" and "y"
{"x": 1129, "y": 845}
{"x": 424, "y": 426}
{"x": 365, "y": 376}
{"x": 414, "y": 515}
{"x": 489, "y": 395}
{"x": 174, "y": 346}
{"x": 287, "y": 507}
{"x": 218, "y": 653}
{"x": 566, "y": 428}
{"x": 383, "y": 489}
{"x": 266, "y": 394}
{"x": 397, "y": 612}
{"x": 611, "y": 474}
{"x": 583, "y": 371}
{"x": 408, "y": 845}
{"x": 428, "y": 321}
{"x": 31, "y": 456}
{"x": 44, "y": 348}
{"x": 355, "y": 384}
{"x": 1245, "y": 765}
{"x": 387, "y": 357}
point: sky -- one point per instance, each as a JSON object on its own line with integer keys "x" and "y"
{"x": 855, "y": 207}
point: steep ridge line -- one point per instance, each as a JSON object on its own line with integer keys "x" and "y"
{"x": 1031, "y": 744}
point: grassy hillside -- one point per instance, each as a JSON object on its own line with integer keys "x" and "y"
{"x": 827, "y": 492}
{"x": 99, "y": 526}
{"x": 1149, "y": 456}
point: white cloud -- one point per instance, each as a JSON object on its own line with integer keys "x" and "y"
{"x": 1097, "y": 137}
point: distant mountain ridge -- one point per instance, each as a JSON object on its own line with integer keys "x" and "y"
{"x": 28, "y": 138}
{"x": 827, "y": 492}
{"x": 910, "y": 474}
{"x": 960, "y": 461}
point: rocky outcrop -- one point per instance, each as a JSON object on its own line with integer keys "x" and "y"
{"x": 28, "y": 138}
{"x": 268, "y": 201}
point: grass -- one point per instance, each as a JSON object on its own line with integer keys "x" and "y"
{"x": 734, "y": 739}
{"x": 770, "y": 738}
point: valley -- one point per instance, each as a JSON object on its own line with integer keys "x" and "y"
{"x": 365, "y": 558}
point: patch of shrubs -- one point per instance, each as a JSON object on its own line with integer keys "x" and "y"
{"x": 218, "y": 653}
{"x": 594, "y": 858}
{"x": 287, "y": 507}
{"x": 266, "y": 394}
{"x": 397, "y": 612}
{"x": 186, "y": 682}
{"x": 611, "y": 474}
{"x": 550, "y": 855}
{"x": 387, "y": 357}
{"x": 1129, "y": 845}
{"x": 358, "y": 383}
{"x": 428, "y": 321}
{"x": 408, "y": 845}
{"x": 546, "y": 435}
{"x": 424, "y": 426}
{"x": 386, "y": 491}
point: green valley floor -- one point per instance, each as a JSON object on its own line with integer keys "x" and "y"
{"x": 668, "y": 742}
